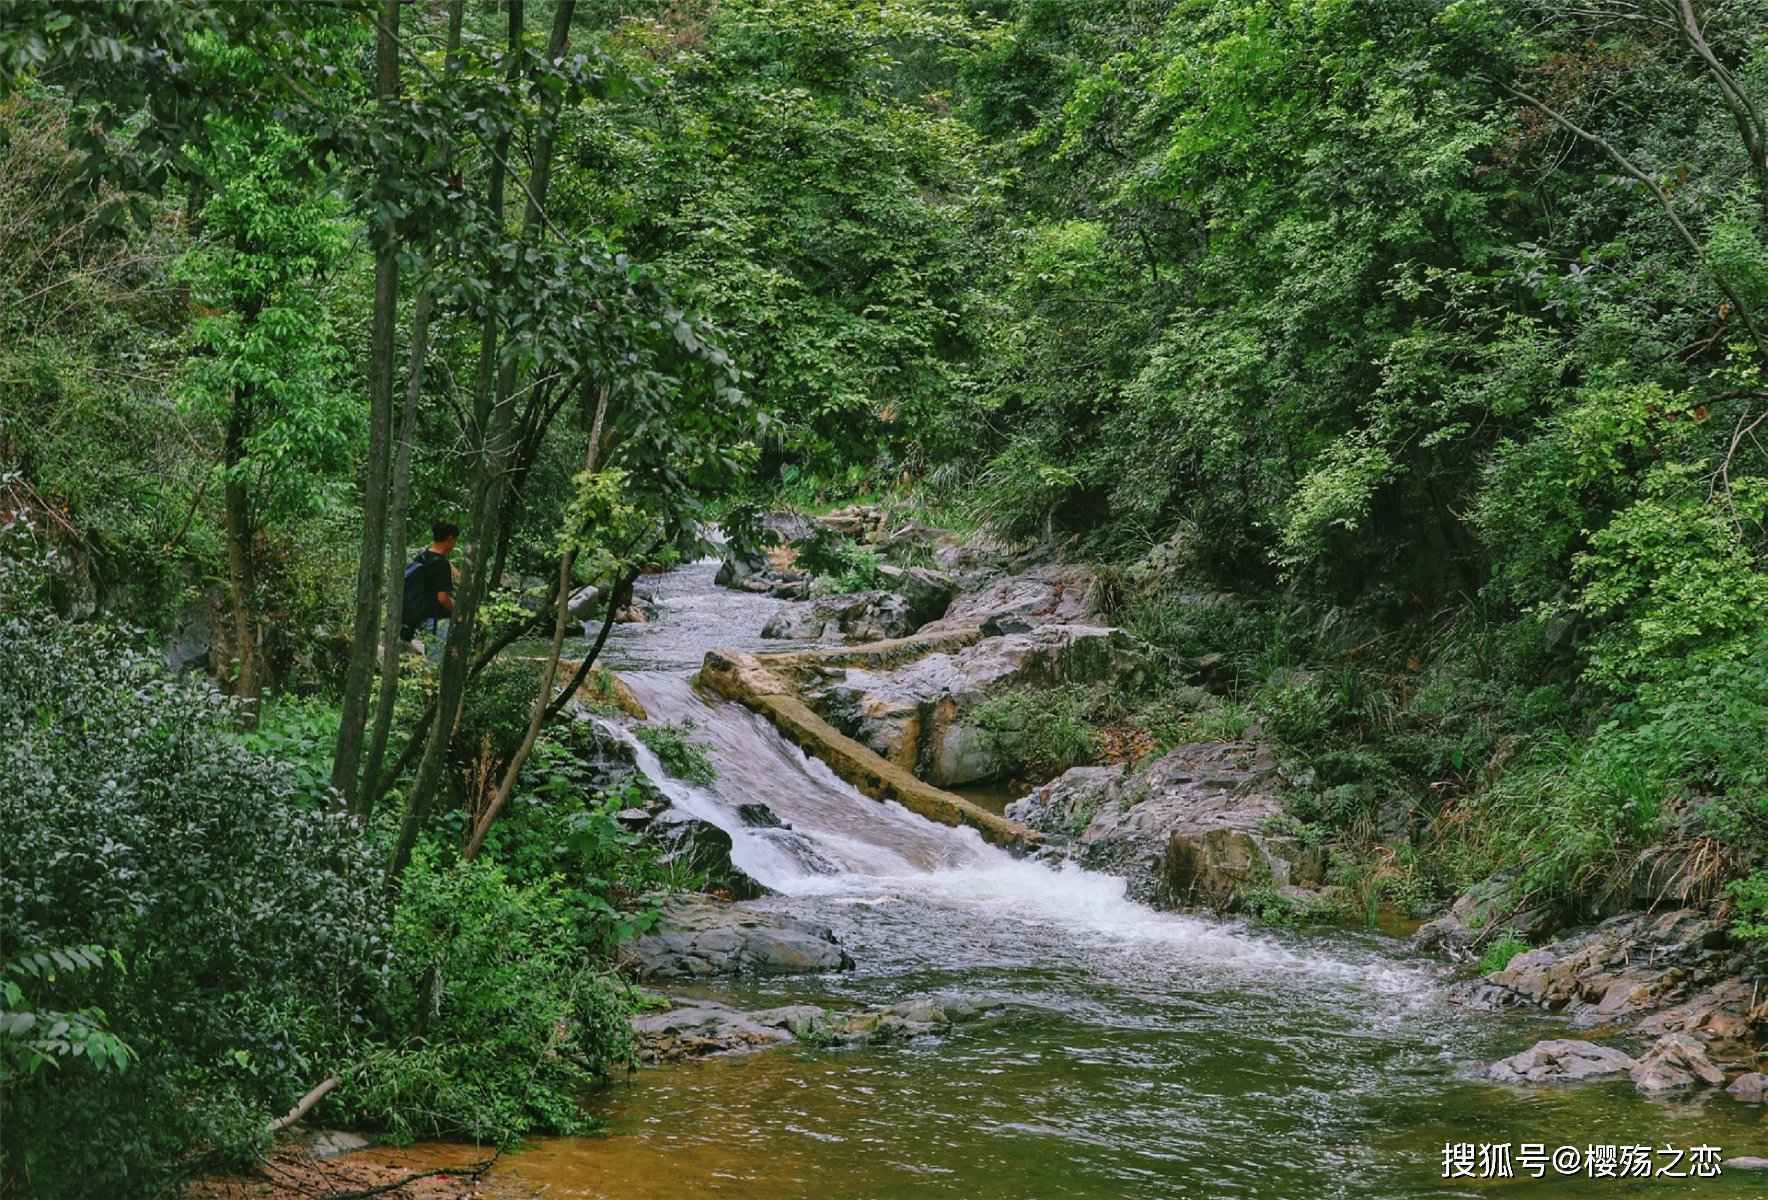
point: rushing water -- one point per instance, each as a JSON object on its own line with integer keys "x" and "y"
{"x": 1142, "y": 1054}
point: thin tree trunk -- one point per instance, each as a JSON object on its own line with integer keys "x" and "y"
{"x": 392, "y": 644}
{"x": 494, "y": 412}
{"x": 346, "y": 762}
{"x": 239, "y": 566}
{"x": 543, "y": 695}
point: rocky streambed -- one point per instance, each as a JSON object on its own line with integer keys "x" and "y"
{"x": 922, "y": 996}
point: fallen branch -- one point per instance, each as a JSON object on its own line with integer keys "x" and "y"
{"x": 305, "y": 1104}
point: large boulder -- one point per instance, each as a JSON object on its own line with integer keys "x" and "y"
{"x": 1055, "y": 594}
{"x": 1192, "y": 828}
{"x": 917, "y": 716}
{"x": 1488, "y": 909}
{"x": 696, "y": 937}
{"x": 1561, "y": 1061}
{"x": 855, "y": 617}
{"x": 1676, "y": 1061}
{"x": 698, "y": 846}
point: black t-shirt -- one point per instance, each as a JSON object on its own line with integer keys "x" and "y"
{"x": 432, "y": 574}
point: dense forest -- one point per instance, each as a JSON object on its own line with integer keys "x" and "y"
{"x": 1399, "y": 369}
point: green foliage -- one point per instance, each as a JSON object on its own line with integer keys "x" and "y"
{"x": 1041, "y": 730}
{"x": 299, "y": 733}
{"x": 1749, "y": 897}
{"x": 1500, "y": 952}
{"x": 795, "y": 171}
{"x": 505, "y": 1019}
{"x": 839, "y": 564}
{"x": 32, "y": 1038}
{"x": 248, "y": 916}
{"x": 681, "y": 756}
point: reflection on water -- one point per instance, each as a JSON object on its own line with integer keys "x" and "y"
{"x": 1141, "y": 1054}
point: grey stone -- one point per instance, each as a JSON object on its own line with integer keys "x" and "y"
{"x": 1750, "y": 1088}
{"x": 1561, "y": 1061}
{"x": 917, "y": 716}
{"x": 698, "y": 936}
{"x": 687, "y": 841}
{"x": 1056, "y": 594}
{"x": 1744, "y": 1162}
{"x": 334, "y": 1143}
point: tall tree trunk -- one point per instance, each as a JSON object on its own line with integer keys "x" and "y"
{"x": 392, "y": 645}
{"x": 392, "y": 641}
{"x": 494, "y": 410}
{"x": 240, "y": 573}
{"x": 346, "y": 762}
{"x": 537, "y": 716}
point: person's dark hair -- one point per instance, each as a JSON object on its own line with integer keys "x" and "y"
{"x": 441, "y": 531}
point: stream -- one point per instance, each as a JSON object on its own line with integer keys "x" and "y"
{"x": 1142, "y": 1054}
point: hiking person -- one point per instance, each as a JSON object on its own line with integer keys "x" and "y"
{"x": 429, "y": 585}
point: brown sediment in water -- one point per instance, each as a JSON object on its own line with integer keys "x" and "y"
{"x": 433, "y": 1171}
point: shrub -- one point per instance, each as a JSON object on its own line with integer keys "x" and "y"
{"x": 1042, "y": 730}
{"x": 680, "y": 756}
{"x": 503, "y": 1020}
{"x": 1500, "y": 952}
{"x": 247, "y": 913}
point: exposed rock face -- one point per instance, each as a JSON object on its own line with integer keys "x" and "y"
{"x": 1633, "y": 965}
{"x": 1049, "y": 595}
{"x": 1561, "y": 1061}
{"x": 1489, "y": 908}
{"x": 916, "y": 716}
{"x": 1189, "y": 829}
{"x": 857, "y": 617}
{"x": 191, "y": 644}
{"x": 1676, "y": 1061}
{"x": 696, "y": 937}
{"x": 704, "y": 1027}
{"x": 701, "y": 846}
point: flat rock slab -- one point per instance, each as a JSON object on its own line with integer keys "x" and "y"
{"x": 697, "y": 937}
{"x": 701, "y": 1028}
{"x": 1561, "y": 1061}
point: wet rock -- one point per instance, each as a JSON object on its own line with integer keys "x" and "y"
{"x": 1193, "y": 828}
{"x": 1561, "y": 1061}
{"x": 737, "y": 569}
{"x": 916, "y": 716}
{"x": 1676, "y": 1061}
{"x": 1056, "y": 594}
{"x": 1624, "y": 968}
{"x": 767, "y": 685}
{"x": 697, "y": 936}
{"x": 1750, "y": 1088}
{"x": 757, "y": 815}
{"x": 700, "y": 846}
{"x": 858, "y": 617}
{"x": 604, "y": 689}
{"x": 1490, "y": 908}
{"x": 701, "y": 1029}
{"x": 334, "y": 1143}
